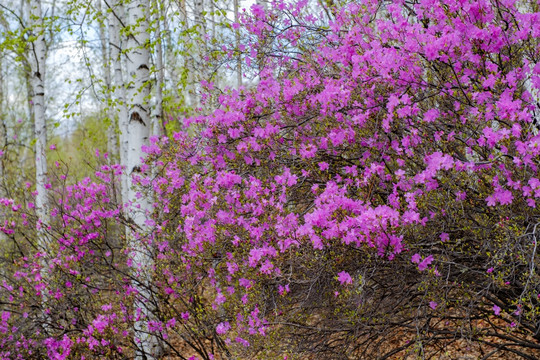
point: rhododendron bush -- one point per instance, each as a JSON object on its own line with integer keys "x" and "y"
{"x": 374, "y": 194}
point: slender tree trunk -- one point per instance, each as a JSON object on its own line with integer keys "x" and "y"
{"x": 212, "y": 19}
{"x": 239, "y": 58}
{"x": 3, "y": 142}
{"x": 198, "y": 69}
{"x": 112, "y": 139}
{"x": 190, "y": 61}
{"x": 36, "y": 59}
{"x": 116, "y": 22}
{"x": 171, "y": 66}
{"x": 216, "y": 79}
{"x": 23, "y": 159}
{"x": 139, "y": 124}
{"x": 157, "y": 118}
{"x": 535, "y": 94}
{"x": 2, "y": 130}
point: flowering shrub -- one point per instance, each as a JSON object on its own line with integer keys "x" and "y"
{"x": 374, "y": 194}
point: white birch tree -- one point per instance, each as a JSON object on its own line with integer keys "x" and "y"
{"x": 157, "y": 116}
{"x": 112, "y": 138}
{"x": 236, "y": 6}
{"x": 36, "y": 57}
{"x": 138, "y": 132}
{"x": 116, "y": 19}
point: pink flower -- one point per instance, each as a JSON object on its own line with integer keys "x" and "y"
{"x": 344, "y": 278}
{"x": 504, "y": 197}
{"x": 171, "y": 323}
{"x": 323, "y": 166}
{"x": 283, "y": 289}
{"x": 424, "y": 264}
{"x": 433, "y": 305}
{"x": 223, "y": 327}
{"x": 496, "y": 310}
{"x": 220, "y": 298}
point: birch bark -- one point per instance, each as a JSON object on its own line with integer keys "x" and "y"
{"x": 171, "y": 67}
{"x": 157, "y": 118}
{"x": 189, "y": 61}
{"x": 3, "y": 132}
{"x": 239, "y": 58}
{"x": 112, "y": 138}
{"x": 138, "y": 131}
{"x": 3, "y": 143}
{"x": 36, "y": 59}
{"x": 116, "y": 22}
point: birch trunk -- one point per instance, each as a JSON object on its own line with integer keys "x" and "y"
{"x": 138, "y": 91}
{"x": 157, "y": 118}
{"x": 116, "y": 22}
{"x": 3, "y": 134}
{"x": 199, "y": 18}
{"x": 239, "y": 58}
{"x": 112, "y": 139}
{"x": 535, "y": 95}
{"x": 171, "y": 67}
{"x": 36, "y": 59}
{"x": 23, "y": 159}
{"x": 190, "y": 62}
{"x": 197, "y": 51}
{"x": 3, "y": 143}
